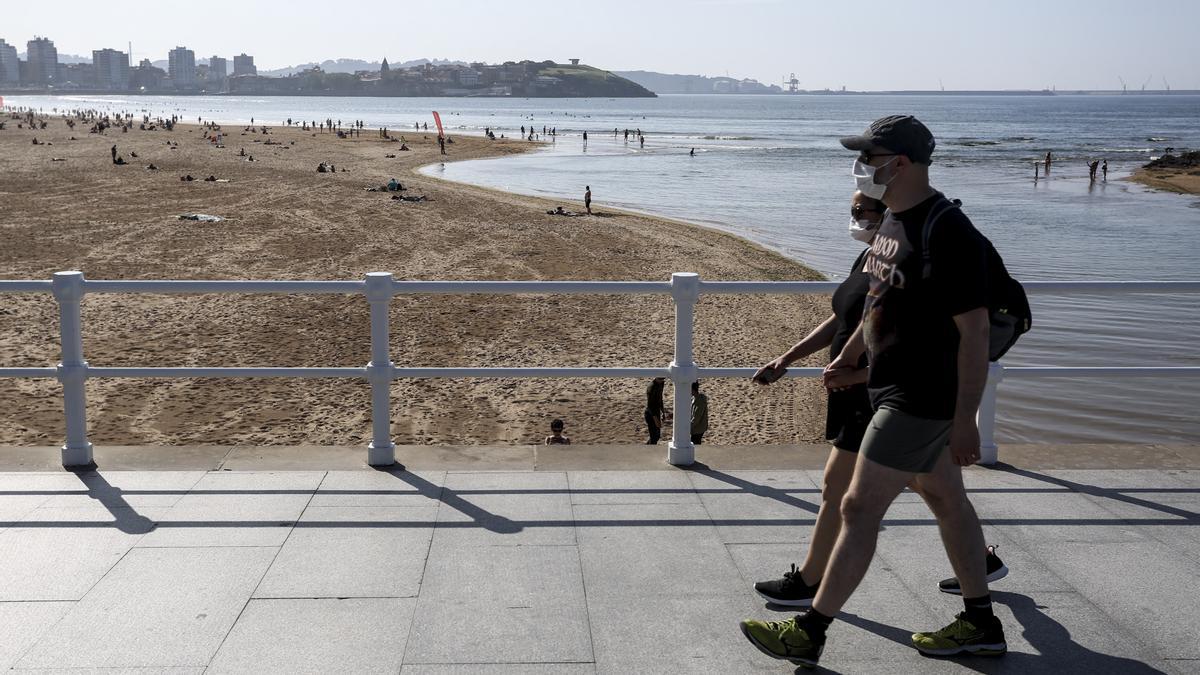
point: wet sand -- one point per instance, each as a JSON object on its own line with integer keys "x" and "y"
{"x": 286, "y": 221}
{"x": 1183, "y": 181}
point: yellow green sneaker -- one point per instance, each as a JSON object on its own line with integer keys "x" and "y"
{"x": 963, "y": 637}
{"x": 784, "y": 640}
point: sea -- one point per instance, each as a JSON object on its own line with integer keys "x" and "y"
{"x": 770, "y": 169}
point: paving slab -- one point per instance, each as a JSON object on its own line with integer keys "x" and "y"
{"x": 356, "y": 635}
{"x": 653, "y": 549}
{"x": 352, "y": 552}
{"x": 501, "y": 604}
{"x": 157, "y": 608}
{"x": 22, "y": 623}
{"x": 1146, "y": 588}
{"x": 505, "y": 509}
{"x": 370, "y": 487}
{"x": 631, "y": 487}
{"x": 759, "y": 507}
{"x": 499, "y": 669}
{"x": 236, "y": 509}
{"x": 127, "y": 489}
{"x": 60, "y": 553}
{"x": 665, "y": 634}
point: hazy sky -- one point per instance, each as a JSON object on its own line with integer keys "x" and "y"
{"x": 899, "y": 44}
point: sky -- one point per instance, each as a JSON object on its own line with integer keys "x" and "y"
{"x": 862, "y": 45}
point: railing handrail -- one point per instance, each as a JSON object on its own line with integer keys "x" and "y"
{"x": 69, "y": 288}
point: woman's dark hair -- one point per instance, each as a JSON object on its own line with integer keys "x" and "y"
{"x": 556, "y": 424}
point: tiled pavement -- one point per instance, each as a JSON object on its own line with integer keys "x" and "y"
{"x": 549, "y": 571}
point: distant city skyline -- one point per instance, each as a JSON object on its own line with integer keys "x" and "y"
{"x": 869, "y": 45}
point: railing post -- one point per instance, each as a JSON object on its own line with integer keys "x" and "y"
{"x": 989, "y": 453}
{"x": 72, "y": 370}
{"x": 685, "y": 291}
{"x": 381, "y": 451}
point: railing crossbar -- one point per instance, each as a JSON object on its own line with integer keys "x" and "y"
{"x": 379, "y": 288}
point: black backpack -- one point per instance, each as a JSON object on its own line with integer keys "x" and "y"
{"x": 1008, "y": 308}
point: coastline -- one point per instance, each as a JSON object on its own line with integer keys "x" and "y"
{"x": 1170, "y": 180}
{"x": 287, "y": 221}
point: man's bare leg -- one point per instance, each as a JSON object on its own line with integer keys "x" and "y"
{"x": 944, "y": 493}
{"x": 872, "y": 490}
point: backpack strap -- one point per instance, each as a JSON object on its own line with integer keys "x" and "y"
{"x": 939, "y": 208}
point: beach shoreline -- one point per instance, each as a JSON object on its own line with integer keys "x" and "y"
{"x": 285, "y": 221}
{"x": 1181, "y": 181}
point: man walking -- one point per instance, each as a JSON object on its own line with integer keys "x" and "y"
{"x": 925, "y": 325}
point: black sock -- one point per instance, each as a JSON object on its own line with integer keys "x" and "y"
{"x": 814, "y": 622}
{"x": 979, "y": 610}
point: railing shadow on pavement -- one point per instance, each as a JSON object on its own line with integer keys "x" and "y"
{"x": 127, "y": 519}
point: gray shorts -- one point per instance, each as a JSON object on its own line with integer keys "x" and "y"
{"x": 903, "y": 442}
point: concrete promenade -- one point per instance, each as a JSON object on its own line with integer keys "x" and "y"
{"x": 596, "y": 559}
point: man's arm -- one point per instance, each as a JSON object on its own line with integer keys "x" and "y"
{"x": 973, "y": 327}
{"x": 819, "y": 338}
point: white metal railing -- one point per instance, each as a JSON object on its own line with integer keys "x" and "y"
{"x": 684, "y": 288}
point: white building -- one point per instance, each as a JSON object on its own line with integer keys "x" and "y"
{"x": 10, "y": 67}
{"x": 244, "y": 65}
{"x": 181, "y": 66}
{"x": 43, "y": 61}
{"x": 112, "y": 69}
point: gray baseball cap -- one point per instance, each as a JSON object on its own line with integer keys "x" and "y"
{"x": 902, "y": 134}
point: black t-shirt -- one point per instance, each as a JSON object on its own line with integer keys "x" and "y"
{"x": 908, "y": 320}
{"x": 848, "y": 410}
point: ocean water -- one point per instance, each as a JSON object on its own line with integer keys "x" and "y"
{"x": 769, "y": 168}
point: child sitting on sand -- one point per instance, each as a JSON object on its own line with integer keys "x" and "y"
{"x": 556, "y": 434}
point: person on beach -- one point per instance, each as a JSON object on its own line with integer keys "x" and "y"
{"x": 654, "y": 409}
{"x": 587, "y": 198}
{"x": 925, "y": 330}
{"x": 1092, "y": 166}
{"x": 699, "y": 414}
{"x": 1104, "y": 170}
{"x": 693, "y": 152}
{"x": 442, "y": 144}
{"x": 1047, "y": 162}
{"x": 556, "y": 434}
{"x": 114, "y": 154}
{"x": 848, "y": 412}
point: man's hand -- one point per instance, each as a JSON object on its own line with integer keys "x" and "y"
{"x": 844, "y": 378}
{"x": 770, "y": 372}
{"x": 964, "y": 442}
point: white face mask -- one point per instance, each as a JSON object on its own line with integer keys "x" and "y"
{"x": 864, "y": 179}
{"x": 862, "y": 229}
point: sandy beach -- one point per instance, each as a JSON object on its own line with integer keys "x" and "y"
{"x": 1172, "y": 180}
{"x": 284, "y": 220}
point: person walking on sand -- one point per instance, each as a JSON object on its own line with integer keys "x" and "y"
{"x": 925, "y": 330}
{"x": 587, "y": 198}
{"x": 699, "y": 414}
{"x": 114, "y": 154}
{"x": 654, "y": 409}
{"x": 442, "y": 144}
{"x": 848, "y": 412}
{"x": 556, "y": 434}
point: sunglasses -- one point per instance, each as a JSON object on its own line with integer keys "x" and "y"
{"x": 857, "y": 210}
{"x": 866, "y": 158}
